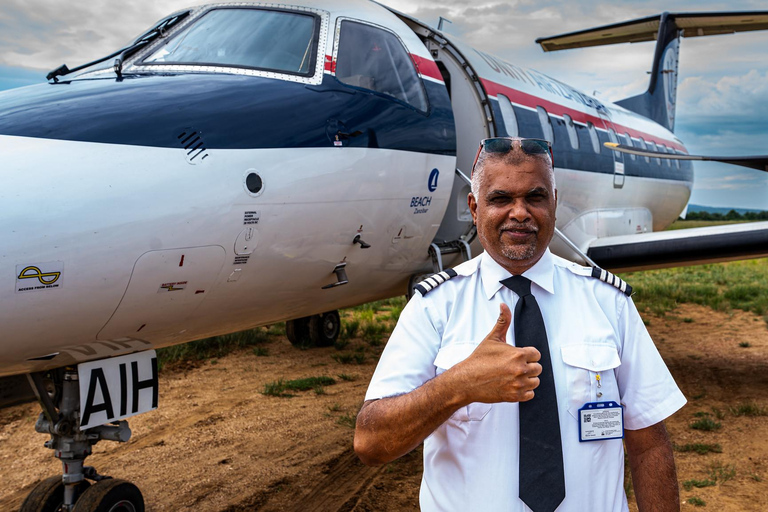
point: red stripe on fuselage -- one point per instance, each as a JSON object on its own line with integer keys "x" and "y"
{"x": 427, "y": 67}
{"x": 531, "y": 101}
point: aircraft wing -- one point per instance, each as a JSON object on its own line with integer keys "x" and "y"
{"x": 759, "y": 162}
{"x": 646, "y": 29}
{"x": 681, "y": 247}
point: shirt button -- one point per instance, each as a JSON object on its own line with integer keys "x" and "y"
{"x": 599, "y": 395}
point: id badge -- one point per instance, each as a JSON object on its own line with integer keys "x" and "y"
{"x": 601, "y": 420}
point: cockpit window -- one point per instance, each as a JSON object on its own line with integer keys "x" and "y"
{"x": 272, "y": 40}
{"x": 375, "y": 59}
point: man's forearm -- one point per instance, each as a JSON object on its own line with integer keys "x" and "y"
{"x": 652, "y": 463}
{"x": 391, "y": 427}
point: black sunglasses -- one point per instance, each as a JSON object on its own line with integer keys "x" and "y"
{"x": 505, "y": 145}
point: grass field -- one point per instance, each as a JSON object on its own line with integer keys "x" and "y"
{"x": 686, "y": 224}
{"x": 720, "y": 286}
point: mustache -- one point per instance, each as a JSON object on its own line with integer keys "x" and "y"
{"x": 520, "y": 227}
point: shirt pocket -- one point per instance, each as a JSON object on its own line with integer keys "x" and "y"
{"x": 446, "y": 358}
{"x": 584, "y": 362}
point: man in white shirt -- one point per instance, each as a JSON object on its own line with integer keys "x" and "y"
{"x": 454, "y": 376}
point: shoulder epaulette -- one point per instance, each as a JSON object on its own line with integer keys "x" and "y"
{"x": 602, "y": 275}
{"x": 435, "y": 280}
{"x": 612, "y": 279}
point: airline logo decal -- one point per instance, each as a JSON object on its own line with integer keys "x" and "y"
{"x": 432, "y": 183}
{"x": 39, "y": 276}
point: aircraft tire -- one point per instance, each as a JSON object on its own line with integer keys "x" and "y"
{"x": 111, "y": 495}
{"x": 48, "y": 495}
{"x": 324, "y": 329}
{"x": 297, "y": 332}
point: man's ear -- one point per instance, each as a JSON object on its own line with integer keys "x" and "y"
{"x": 472, "y": 207}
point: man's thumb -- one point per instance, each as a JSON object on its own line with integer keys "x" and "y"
{"x": 501, "y": 327}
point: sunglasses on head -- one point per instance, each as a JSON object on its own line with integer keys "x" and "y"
{"x": 505, "y": 145}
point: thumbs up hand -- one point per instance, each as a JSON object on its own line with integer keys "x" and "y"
{"x": 498, "y": 372}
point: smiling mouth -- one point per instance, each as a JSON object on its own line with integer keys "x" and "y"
{"x": 519, "y": 233}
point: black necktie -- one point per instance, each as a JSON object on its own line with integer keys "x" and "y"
{"x": 542, "y": 479}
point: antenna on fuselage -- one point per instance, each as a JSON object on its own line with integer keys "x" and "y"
{"x": 440, "y": 23}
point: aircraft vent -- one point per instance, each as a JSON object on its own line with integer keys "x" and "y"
{"x": 194, "y": 146}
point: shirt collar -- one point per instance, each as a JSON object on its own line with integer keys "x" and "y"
{"x": 491, "y": 273}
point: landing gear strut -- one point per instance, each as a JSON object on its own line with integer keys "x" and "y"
{"x": 314, "y": 331}
{"x": 59, "y": 396}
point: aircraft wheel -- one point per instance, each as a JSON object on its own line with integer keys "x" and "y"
{"x": 48, "y": 495}
{"x": 324, "y": 329}
{"x": 297, "y": 332}
{"x": 111, "y": 495}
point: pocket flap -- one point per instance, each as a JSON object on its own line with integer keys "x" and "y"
{"x": 452, "y": 354}
{"x": 595, "y": 358}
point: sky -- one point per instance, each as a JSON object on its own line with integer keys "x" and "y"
{"x": 722, "y": 98}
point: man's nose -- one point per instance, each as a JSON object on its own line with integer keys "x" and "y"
{"x": 519, "y": 211}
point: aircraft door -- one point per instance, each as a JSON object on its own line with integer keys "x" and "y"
{"x": 474, "y": 121}
{"x": 618, "y": 158}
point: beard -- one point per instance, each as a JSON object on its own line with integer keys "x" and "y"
{"x": 513, "y": 252}
{"x": 519, "y": 252}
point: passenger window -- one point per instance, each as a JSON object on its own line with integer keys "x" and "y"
{"x": 508, "y": 115}
{"x": 593, "y": 137}
{"x": 641, "y": 144}
{"x": 677, "y": 162}
{"x": 663, "y": 149}
{"x": 546, "y": 125}
{"x": 270, "y": 40}
{"x": 573, "y": 137}
{"x": 652, "y": 147}
{"x": 630, "y": 144}
{"x": 375, "y": 59}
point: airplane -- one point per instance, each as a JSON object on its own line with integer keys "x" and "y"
{"x": 243, "y": 164}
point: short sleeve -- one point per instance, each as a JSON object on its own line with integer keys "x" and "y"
{"x": 648, "y": 390}
{"x": 407, "y": 360}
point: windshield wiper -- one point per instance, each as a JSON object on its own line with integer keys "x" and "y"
{"x": 159, "y": 30}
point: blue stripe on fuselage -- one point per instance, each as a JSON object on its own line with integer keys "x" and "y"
{"x": 231, "y": 111}
{"x": 584, "y": 158}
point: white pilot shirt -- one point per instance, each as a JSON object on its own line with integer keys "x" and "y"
{"x": 471, "y": 460}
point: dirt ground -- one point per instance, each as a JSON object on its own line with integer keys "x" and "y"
{"x": 218, "y": 444}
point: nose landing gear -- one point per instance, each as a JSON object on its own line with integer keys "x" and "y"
{"x": 59, "y": 396}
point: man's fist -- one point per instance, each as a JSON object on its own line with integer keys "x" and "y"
{"x": 498, "y": 372}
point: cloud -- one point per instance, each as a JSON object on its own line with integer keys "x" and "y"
{"x": 44, "y": 33}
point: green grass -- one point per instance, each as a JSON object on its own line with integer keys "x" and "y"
{"x": 697, "y": 502}
{"x": 346, "y": 420}
{"x": 687, "y": 224}
{"x": 744, "y": 344}
{"x": 260, "y": 351}
{"x": 700, "y": 448}
{"x": 218, "y": 346}
{"x": 748, "y": 409}
{"x": 347, "y": 377}
{"x": 280, "y": 386}
{"x": 722, "y": 286}
{"x": 690, "y": 484}
{"x": 720, "y": 473}
{"x": 349, "y": 358}
{"x": 706, "y": 424}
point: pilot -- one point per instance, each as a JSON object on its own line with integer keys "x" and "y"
{"x": 520, "y": 371}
